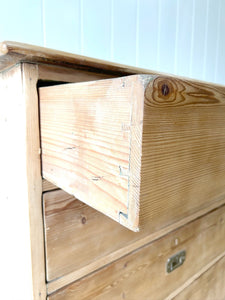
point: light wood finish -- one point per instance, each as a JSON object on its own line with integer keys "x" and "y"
{"x": 142, "y": 274}
{"x": 67, "y": 251}
{"x": 23, "y": 253}
{"x": 48, "y": 186}
{"x": 12, "y": 53}
{"x": 14, "y": 233}
{"x": 68, "y": 257}
{"x": 209, "y": 286}
{"x": 90, "y": 157}
{"x": 183, "y": 162}
{"x": 62, "y": 74}
{"x": 34, "y": 180}
{"x": 115, "y": 248}
{"x": 22, "y": 245}
{"x": 140, "y": 145}
{"x": 195, "y": 277}
{"x": 21, "y": 189}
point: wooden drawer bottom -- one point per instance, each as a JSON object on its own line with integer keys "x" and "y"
{"x": 142, "y": 274}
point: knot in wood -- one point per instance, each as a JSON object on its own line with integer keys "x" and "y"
{"x": 165, "y": 89}
{"x": 83, "y": 220}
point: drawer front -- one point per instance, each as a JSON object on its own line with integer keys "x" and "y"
{"x": 141, "y": 149}
{"x": 209, "y": 286}
{"x": 72, "y": 228}
{"x": 142, "y": 272}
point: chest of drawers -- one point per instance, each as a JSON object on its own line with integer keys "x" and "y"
{"x": 61, "y": 248}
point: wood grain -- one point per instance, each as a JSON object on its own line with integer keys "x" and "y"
{"x": 141, "y": 149}
{"x": 190, "y": 281}
{"x": 90, "y": 156}
{"x": 22, "y": 249}
{"x": 34, "y": 180}
{"x": 208, "y": 286}
{"x": 12, "y": 53}
{"x": 12, "y": 106}
{"x": 67, "y": 251}
{"x": 142, "y": 274}
{"x": 50, "y": 73}
{"x": 48, "y": 186}
{"x": 67, "y": 256}
{"x": 183, "y": 162}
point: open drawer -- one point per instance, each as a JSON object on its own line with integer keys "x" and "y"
{"x": 141, "y": 149}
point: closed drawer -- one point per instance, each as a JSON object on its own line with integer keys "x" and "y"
{"x": 79, "y": 238}
{"x": 139, "y": 149}
{"x": 142, "y": 274}
{"x": 208, "y": 286}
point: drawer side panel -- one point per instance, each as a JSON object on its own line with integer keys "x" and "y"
{"x": 85, "y": 137}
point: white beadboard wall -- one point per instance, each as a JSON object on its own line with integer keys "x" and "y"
{"x": 183, "y": 37}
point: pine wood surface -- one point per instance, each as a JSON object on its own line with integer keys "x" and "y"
{"x": 19, "y": 119}
{"x": 12, "y": 53}
{"x": 208, "y": 286}
{"x": 48, "y": 186}
{"x": 51, "y": 73}
{"x": 73, "y": 228}
{"x": 22, "y": 239}
{"x": 93, "y": 163}
{"x": 34, "y": 180}
{"x": 183, "y": 162}
{"x": 12, "y": 263}
{"x": 192, "y": 279}
{"x": 67, "y": 256}
{"x": 142, "y": 273}
{"x": 141, "y": 149}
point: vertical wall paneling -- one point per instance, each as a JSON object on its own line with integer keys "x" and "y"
{"x": 137, "y": 32}
{"x": 21, "y": 21}
{"x": 62, "y": 24}
{"x": 183, "y": 37}
{"x": 148, "y": 34}
{"x": 220, "y": 62}
{"x": 124, "y": 31}
{"x": 176, "y": 36}
{"x": 167, "y": 35}
{"x": 206, "y": 38}
{"x": 43, "y": 21}
{"x": 112, "y": 32}
{"x": 158, "y": 34}
{"x": 197, "y": 63}
{"x": 192, "y": 37}
{"x": 96, "y": 22}
{"x": 217, "y": 40}
{"x": 211, "y": 41}
{"x": 81, "y": 33}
